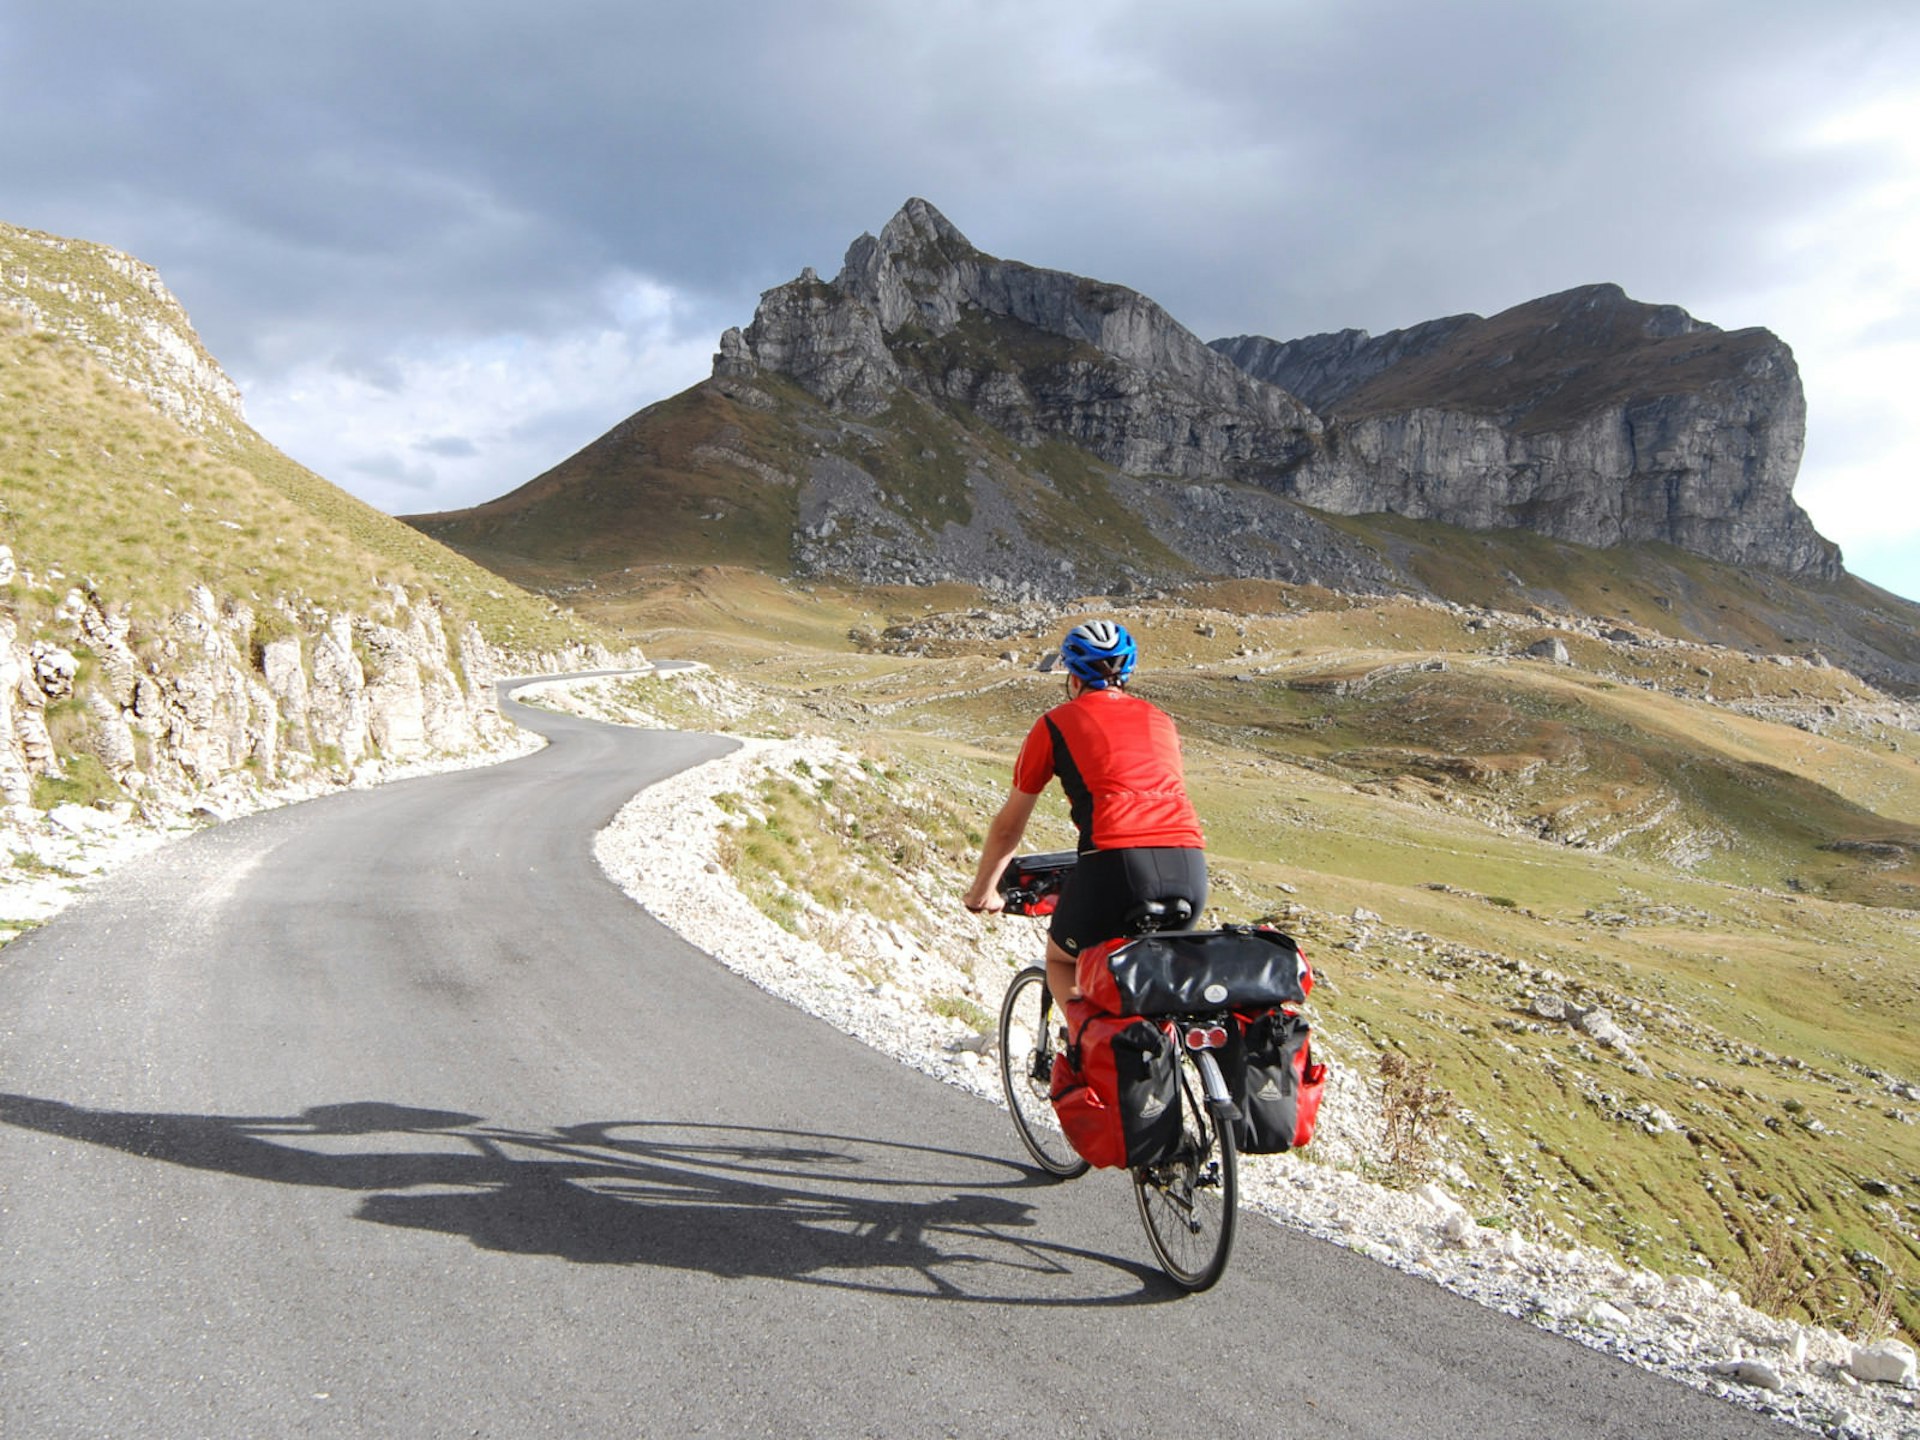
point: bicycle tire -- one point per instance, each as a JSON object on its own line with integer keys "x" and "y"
{"x": 1190, "y": 1205}
{"x": 1026, "y": 1070}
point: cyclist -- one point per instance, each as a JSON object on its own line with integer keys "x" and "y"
{"x": 1118, "y": 758}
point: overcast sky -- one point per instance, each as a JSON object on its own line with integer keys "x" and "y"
{"x": 442, "y": 244}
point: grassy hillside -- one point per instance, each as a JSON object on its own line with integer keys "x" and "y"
{"x": 694, "y": 479}
{"x": 702, "y": 478}
{"x": 99, "y": 489}
{"x": 126, "y": 465}
{"x": 1742, "y": 901}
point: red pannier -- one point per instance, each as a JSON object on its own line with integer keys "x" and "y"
{"x": 1274, "y": 1080}
{"x": 1184, "y": 972}
{"x": 1116, "y": 1089}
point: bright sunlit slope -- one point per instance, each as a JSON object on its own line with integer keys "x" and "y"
{"x": 1475, "y": 845}
{"x": 126, "y": 466}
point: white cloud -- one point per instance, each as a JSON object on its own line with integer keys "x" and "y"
{"x": 439, "y": 426}
{"x": 1849, "y": 304}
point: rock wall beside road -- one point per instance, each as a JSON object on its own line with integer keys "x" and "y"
{"x": 222, "y": 692}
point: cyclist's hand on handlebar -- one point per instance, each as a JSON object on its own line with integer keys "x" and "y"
{"x": 984, "y": 902}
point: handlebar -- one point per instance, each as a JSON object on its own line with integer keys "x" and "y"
{"x": 1032, "y": 884}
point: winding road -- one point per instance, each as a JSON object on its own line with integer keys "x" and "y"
{"x": 389, "y": 1115}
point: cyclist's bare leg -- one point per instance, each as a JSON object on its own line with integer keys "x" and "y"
{"x": 1062, "y": 981}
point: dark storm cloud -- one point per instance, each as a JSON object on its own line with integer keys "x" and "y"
{"x": 460, "y": 166}
{"x": 1378, "y": 164}
{"x": 452, "y": 166}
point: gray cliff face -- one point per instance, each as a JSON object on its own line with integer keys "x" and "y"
{"x": 1098, "y": 365}
{"x": 1585, "y": 416}
{"x": 1321, "y": 368}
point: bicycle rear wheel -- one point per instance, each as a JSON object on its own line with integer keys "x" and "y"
{"x": 1190, "y": 1204}
{"x": 1026, "y": 1072}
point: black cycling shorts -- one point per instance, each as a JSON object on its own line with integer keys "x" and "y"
{"x": 1107, "y": 884}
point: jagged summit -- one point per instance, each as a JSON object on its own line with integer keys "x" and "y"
{"x": 1036, "y": 352}
{"x": 920, "y": 269}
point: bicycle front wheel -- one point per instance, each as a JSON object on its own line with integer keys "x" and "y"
{"x": 1027, "y": 1019}
{"x": 1190, "y": 1204}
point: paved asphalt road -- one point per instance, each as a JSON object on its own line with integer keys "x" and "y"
{"x": 388, "y": 1115}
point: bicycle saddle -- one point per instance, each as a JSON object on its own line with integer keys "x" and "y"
{"x": 1159, "y": 915}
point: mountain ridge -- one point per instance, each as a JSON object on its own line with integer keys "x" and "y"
{"x": 935, "y": 414}
{"x": 1583, "y": 415}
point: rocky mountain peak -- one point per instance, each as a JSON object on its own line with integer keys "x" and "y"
{"x": 1584, "y": 415}
{"x": 920, "y": 268}
{"x": 1037, "y": 352}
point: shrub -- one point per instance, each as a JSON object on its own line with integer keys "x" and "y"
{"x": 1413, "y": 1110}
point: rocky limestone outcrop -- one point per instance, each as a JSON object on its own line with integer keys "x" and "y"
{"x": 218, "y": 691}
{"x": 1586, "y": 416}
{"x": 821, "y": 336}
{"x": 1038, "y": 353}
{"x": 117, "y": 696}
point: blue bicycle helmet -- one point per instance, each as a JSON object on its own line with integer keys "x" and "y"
{"x": 1100, "y": 652}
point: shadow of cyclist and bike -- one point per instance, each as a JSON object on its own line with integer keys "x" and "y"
{"x": 735, "y": 1201}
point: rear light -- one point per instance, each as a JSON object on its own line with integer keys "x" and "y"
{"x": 1206, "y": 1037}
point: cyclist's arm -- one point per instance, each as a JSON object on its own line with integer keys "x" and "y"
{"x": 1004, "y": 833}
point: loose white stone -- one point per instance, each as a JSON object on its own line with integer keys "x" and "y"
{"x": 1607, "y": 1315}
{"x": 82, "y": 819}
{"x": 1435, "y": 1194}
{"x": 1887, "y": 1363}
{"x": 1757, "y": 1373}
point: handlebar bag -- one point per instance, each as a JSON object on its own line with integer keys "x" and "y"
{"x": 1243, "y": 967}
{"x": 1116, "y": 1090}
{"x": 1273, "y": 1078}
{"x": 1039, "y": 877}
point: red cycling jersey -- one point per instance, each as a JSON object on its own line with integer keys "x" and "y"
{"x": 1118, "y": 759}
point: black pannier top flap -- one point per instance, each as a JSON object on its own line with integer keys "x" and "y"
{"x": 1241, "y": 968}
